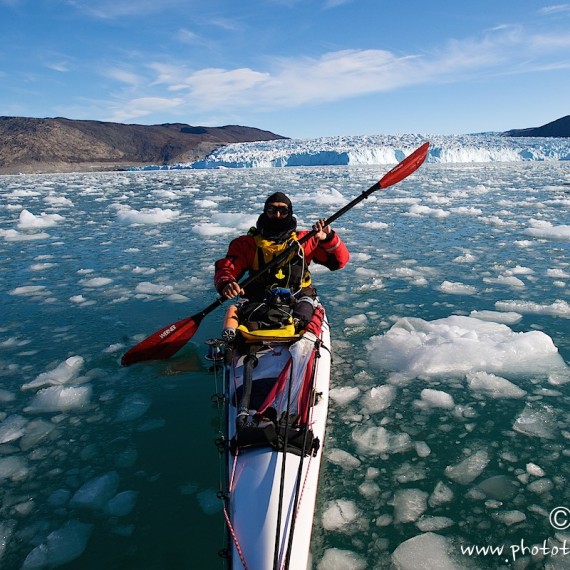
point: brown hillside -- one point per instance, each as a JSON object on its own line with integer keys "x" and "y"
{"x": 63, "y": 145}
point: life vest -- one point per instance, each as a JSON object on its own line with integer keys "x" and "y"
{"x": 292, "y": 274}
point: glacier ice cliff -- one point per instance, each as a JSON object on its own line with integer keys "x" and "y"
{"x": 384, "y": 149}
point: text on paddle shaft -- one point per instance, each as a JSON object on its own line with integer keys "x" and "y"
{"x": 167, "y": 331}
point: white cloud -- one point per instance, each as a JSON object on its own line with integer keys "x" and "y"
{"x": 143, "y": 106}
{"x": 111, "y": 9}
{"x": 337, "y": 75}
{"x": 61, "y": 66}
{"x": 124, "y": 76}
{"x": 188, "y": 37}
{"x": 555, "y": 9}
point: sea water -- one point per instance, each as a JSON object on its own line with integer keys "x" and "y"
{"x": 449, "y": 421}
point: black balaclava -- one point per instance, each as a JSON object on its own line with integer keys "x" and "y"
{"x": 277, "y": 229}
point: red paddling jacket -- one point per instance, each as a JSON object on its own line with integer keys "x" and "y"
{"x": 252, "y": 251}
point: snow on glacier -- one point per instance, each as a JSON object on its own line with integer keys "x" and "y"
{"x": 384, "y": 149}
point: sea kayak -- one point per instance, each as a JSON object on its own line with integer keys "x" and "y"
{"x": 276, "y": 401}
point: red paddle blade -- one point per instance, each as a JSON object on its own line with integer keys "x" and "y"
{"x": 164, "y": 342}
{"x": 406, "y": 167}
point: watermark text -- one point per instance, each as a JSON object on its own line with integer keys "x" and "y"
{"x": 514, "y": 551}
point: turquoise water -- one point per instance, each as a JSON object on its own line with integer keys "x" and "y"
{"x": 106, "y": 259}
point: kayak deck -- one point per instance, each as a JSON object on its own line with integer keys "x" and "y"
{"x": 271, "y": 493}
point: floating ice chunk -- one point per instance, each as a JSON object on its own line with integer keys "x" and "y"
{"x": 419, "y": 210}
{"x": 62, "y": 374}
{"x": 409, "y": 505}
{"x": 209, "y": 230}
{"x": 13, "y": 467}
{"x": 466, "y": 258}
{"x": 340, "y": 514}
{"x": 59, "y": 497}
{"x": 188, "y": 488}
{"x": 35, "y": 432}
{"x": 344, "y": 394}
{"x": 121, "y": 504}
{"x": 147, "y": 215}
{"x": 469, "y": 469}
{"x": 206, "y": 204}
{"x": 337, "y": 559}
{"x": 12, "y": 428}
{"x": 29, "y": 290}
{"x": 6, "y": 395}
{"x": 457, "y": 345}
{"x": 360, "y": 256}
{"x": 376, "y": 440}
{"x": 378, "y": 399}
{"x": 493, "y": 386}
{"x": 431, "y": 524}
{"x": 356, "y": 321}
{"x": 536, "y": 420}
{"x": 59, "y": 399}
{"x": 152, "y": 424}
{"x": 509, "y": 518}
{"x": 407, "y": 472}
{"x": 237, "y": 221}
{"x": 28, "y": 221}
{"x": 209, "y": 501}
{"x": 558, "y": 378}
{"x": 61, "y": 546}
{"x": 427, "y": 551}
{"x": 343, "y": 458}
{"x": 126, "y": 458}
{"x": 95, "y": 493}
{"x": 55, "y": 200}
{"x": 422, "y": 448}
{"x": 499, "y": 488}
{"x": 558, "y": 273}
{"x": 14, "y": 235}
{"x": 541, "y": 486}
{"x": 507, "y": 280}
{"x": 467, "y": 211}
{"x": 374, "y": 225}
{"x": 154, "y": 289}
{"x": 535, "y": 470}
{"x": 558, "y": 308}
{"x": 507, "y": 318}
{"x": 95, "y": 282}
{"x": 133, "y": 407}
{"x": 546, "y": 230}
{"x": 6, "y": 531}
{"x": 177, "y": 298}
{"x": 435, "y": 399}
{"x": 456, "y": 288}
{"x": 369, "y": 489}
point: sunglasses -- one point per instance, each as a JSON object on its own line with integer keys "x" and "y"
{"x": 272, "y": 210}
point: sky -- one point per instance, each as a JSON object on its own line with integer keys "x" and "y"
{"x": 298, "y": 68}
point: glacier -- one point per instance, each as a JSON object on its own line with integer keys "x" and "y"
{"x": 382, "y": 149}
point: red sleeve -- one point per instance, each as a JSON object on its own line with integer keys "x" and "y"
{"x": 238, "y": 260}
{"x": 331, "y": 253}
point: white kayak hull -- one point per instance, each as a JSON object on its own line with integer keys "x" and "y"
{"x": 263, "y": 491}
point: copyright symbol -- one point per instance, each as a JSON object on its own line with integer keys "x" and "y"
{"x": 560, "y": 518}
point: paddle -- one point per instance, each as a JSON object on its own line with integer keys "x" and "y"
{"x": 170, "y": 339}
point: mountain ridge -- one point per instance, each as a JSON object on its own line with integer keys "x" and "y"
{"x": 558, "y": 128}
{"x": 44, "y": 145}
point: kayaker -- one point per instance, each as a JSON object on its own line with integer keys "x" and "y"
{"x": 289, "y": 284}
